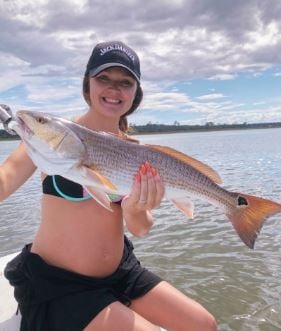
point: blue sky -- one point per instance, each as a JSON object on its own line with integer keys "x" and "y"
{"x": 201, "y": 61}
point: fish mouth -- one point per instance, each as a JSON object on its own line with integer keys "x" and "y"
{"x": 24, "y": 127}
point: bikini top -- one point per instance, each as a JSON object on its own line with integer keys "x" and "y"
{"x": 64, "y": 188}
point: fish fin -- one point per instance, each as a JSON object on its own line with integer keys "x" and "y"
{"x": 128, "y": 138}
{"x": 249, "y": 215}
{"x": 123, "y": 137}
{"x": 99, "y": 196}
{"x": 99, "y": 179}
{"x": 184, "y": 205}
{"x": 198, "y": 165}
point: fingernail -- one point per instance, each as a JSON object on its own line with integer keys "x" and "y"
{"x": 147, "y": 167}
{"x": 154, "y": 171}
{"x": 143, "y": 169}
{"x": 125, "y": 198}
{"x": 138, "y": 177}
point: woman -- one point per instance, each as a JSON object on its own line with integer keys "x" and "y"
{"x": 80, "y": 272}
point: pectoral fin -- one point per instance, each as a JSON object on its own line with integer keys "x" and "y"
{"x": 99, "y": 196}
{"x": 185, "y": 206}
{"x": 98, "y": 179}
{"x": 94, "y": 183}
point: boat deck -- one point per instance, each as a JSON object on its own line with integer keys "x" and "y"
{"x": 9, "y": 321}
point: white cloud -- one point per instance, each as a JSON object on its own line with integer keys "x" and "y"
{"x": 222, "y": 77}
{"x": 165, "y": 101}
{"x": 211, "y": 96}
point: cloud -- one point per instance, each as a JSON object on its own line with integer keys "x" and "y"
{"x": 222, "y": 77}
{"x": 211, "y": 96}
{"x": 46, "y": 42}
{"x": 187, "y": 38}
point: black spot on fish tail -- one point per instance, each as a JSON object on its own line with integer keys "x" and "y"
{"x": 242, "y": 201}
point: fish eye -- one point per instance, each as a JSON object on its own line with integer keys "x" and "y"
{"x": 41, "y": 120}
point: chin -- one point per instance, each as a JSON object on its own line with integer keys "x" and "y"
{"x": 113, "y": 112}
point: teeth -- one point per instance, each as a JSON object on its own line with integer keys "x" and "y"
{"x": 115, "y": 101}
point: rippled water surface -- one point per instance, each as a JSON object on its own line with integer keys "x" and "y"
{"x": 203, "y": 257}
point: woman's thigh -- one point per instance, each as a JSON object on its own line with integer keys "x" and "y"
{"x": 167, "y": 307}
{"x": 117, "y": 317}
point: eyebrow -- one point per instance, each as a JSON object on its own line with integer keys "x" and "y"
{"x": 124, "y": 72}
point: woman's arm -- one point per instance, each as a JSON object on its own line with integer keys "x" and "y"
{"x": 15, "y": 170}
{"x": 138, "y": 223}
{"x": 147, "y": 193}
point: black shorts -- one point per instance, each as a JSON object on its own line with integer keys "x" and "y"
{"x": 54, "y": 299}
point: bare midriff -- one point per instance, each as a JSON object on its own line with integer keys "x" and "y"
{"x": 82, "y": 237}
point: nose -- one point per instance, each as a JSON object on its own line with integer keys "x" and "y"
{"x": 114, "y": 84}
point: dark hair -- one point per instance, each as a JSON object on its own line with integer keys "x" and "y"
{"x": 123, "y": 123}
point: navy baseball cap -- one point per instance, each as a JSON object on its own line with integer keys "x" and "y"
{"x": 113, "y": 54}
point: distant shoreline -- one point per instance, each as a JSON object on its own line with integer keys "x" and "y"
{"x": 169, "y": 129}
{"x": 10, "y": 138}
{"x": 176, "y": 128}
{"x": 134, "y": 133}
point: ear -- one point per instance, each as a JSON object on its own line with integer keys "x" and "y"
{"x": 86, "y": 89}
{"x": 137, "y": 100}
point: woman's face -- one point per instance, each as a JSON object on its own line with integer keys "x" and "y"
{"x": 112, "y": 92}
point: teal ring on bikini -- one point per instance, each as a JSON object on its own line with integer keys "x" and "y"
{"x": 65, "y": 196}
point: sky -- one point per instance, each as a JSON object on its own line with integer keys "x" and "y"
{"x": 201, "y": 60}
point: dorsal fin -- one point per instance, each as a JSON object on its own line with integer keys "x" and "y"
{"x": 124, "y": 136}
{"x": 128, "y": 138}
{"x": 198, "y": 165}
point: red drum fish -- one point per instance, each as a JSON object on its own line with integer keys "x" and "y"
{"x": 104, "y": 163}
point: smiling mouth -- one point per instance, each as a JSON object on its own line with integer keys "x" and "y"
{"x": 112, "y": 101}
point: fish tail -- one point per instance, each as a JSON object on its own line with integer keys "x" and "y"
{"x": 249, "y": 215}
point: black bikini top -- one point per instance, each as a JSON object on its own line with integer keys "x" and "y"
{"x": 64, "y": 188}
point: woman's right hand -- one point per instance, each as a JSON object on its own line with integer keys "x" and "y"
{"x": 14, "y": 172}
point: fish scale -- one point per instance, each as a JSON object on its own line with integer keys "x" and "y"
{"x": 175, "y": 173}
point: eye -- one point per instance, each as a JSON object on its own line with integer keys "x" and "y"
{"x": 102, "y": 79}
{"x": 126, "y": 83}
{"x": 41, "y": 120}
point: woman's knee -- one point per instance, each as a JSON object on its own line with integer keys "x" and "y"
{"x": 209, "y": 323}
{"x": 205, "y": 321}
{"x": 197, "y": 319}
{"x": 116, "y": 316}
{"x": 202, "y": 322}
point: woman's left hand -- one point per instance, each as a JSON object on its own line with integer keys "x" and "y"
{"x": 147, "y": 191}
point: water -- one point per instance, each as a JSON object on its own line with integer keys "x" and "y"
{"x": 202, "y": 257}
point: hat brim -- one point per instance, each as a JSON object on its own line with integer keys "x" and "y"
{"x": 102, "y": 67}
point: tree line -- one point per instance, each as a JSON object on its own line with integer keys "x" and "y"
{"x": 209, "y": 126}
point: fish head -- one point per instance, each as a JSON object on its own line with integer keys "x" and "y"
{"x": 51, "y": 144}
